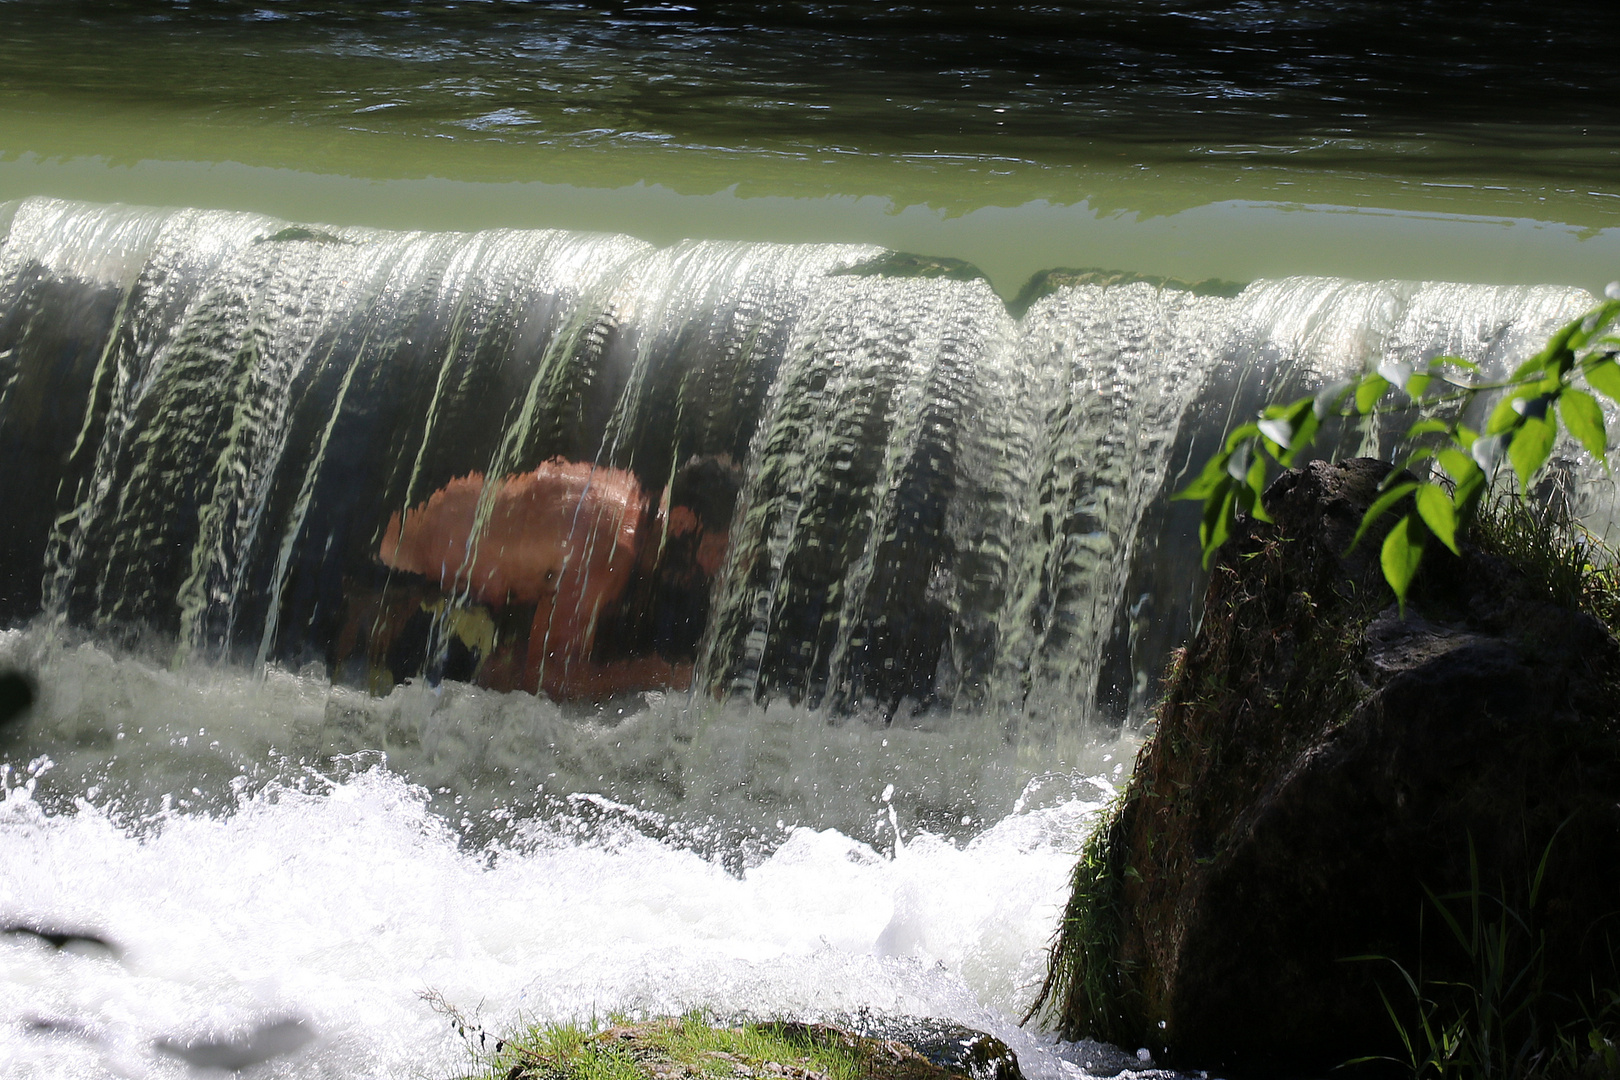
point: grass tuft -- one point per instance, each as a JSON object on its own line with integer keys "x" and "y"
{"x": 1494, "y": 1018}
{"x": 690, "y": 1047}
{"x": 1560, "y": 559}
{"x": 1084, "y": 989}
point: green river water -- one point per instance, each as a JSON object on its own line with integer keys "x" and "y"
{"x": 1240, "y": 140}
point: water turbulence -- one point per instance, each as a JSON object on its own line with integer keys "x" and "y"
{"x": 554, "y": 620}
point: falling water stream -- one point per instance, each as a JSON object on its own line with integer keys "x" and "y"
{"x": 277, "y": 280}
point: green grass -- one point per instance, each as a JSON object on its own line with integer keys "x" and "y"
{"x": 1560, "y": 559}
{"x": 681, "y": 1048}
{"x": 1498, "y": 1020}
{"x": 1084, "y": 988}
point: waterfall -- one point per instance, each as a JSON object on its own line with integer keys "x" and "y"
{"x": 212, "y": 415}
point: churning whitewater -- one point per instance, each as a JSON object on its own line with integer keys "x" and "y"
{"x": 561, "y": 625}
{"x": 298, "y": 924}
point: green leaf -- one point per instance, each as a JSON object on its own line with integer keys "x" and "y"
{"x": 1379, "y": 507}
{"x": 1278, "y": 431}
{"x": 1206, "y": 482}
{"x": 1237, "y": 463}
{"x": 1372, "y": 388}
{"x": 1402, "y": 551}
{"x": 1422, "y": 453}
{"x": 1604, "y": 377}
{"x": 1247, "y": 503}
{"x": 1503, "y": 417}
{"x": 1593, "y": 323}
{"x": 1438, "y": 513}
{"x": 1556, "y": 356}
{"x": 1256, "y": 505}
{"x": 1291, "y": 410}
{"x": 1530, "y": 448}
{"x": 1533, "y": 366}
{"x": 1466, "y": 497}
{"x": 1465, "y": 436}
{"x": 1304, "y": 436}
{"x": 1581, "y": 413}
{"x": 1417, "y": 385}
{"x": 1458, "y": 465}
{"x": 1207, "y": 523}
{"x": 1428, "y": 427}
{"x": 1330, "y": 398}
{"x": 1452, "y": 361}
{"x": 1240, "y": 434}
{"x": 1217, "y": 524}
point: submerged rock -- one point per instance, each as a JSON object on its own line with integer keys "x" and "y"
{"x": 1326, "y": 777}
{"x": 254, "y": 1047}
{"x": 62, "y": 940}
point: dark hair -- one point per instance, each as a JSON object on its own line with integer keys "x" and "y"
{"x": 708, "y": 486}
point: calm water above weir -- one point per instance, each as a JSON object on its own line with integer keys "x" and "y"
{"x": 905, "y": 531}
{"x": 1452, "y": 141}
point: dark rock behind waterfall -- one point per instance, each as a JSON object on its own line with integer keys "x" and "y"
{"x": 1320, "y": 766}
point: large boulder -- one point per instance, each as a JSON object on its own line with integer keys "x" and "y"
{"x": 1328, "y": 773}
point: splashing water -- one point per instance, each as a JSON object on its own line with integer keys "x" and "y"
{"x": 334, "y": 904}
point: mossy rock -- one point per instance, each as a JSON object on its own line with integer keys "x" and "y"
{"x": 693, "y": 1047}
{"x": 904, "y": 264}
{"x": 1046, "y": 282}
{"x": 1325, "y": 771}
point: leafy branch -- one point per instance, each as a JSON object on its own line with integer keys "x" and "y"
{"x": 1552, "y": 391}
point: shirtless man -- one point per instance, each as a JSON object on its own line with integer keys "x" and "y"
{"x": 566, "y": 538}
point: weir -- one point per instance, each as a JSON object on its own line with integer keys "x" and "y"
{"x": 903, "y": 571}
{"x": 931, "y": 504}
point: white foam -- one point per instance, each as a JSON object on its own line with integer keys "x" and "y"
{"x": 341, "y": 904}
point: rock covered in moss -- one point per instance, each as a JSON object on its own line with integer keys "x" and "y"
{"x": 693, "y": 1047}
{"x": 1321, "y": 765}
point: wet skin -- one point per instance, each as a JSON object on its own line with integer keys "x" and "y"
{"x": 564, "y": 538}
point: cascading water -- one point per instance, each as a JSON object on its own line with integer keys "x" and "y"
{"x": 291, "y": 780}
